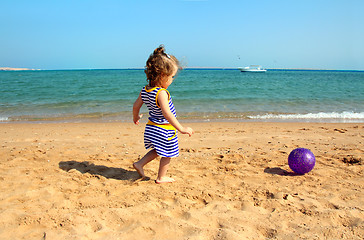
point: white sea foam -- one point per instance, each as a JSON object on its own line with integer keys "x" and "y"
{"x": 344, "y": 116}
{"x": 3, "y": 119}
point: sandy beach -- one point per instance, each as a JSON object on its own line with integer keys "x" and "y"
{"x": 76, "y": 181}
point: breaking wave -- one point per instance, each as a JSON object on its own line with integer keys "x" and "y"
{"x": 344, "y": 116}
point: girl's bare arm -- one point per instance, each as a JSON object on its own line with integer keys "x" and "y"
{"x": 136, "y": 108}
{"x": 164, "y": 105}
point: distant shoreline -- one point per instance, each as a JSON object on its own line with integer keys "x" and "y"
{"x": 16, "y": 69}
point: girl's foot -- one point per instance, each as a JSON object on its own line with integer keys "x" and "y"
{"x": 139, "y": 170}
{"x": 164, "y": 180}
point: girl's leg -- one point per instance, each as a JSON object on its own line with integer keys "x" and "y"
{"x": 163, "y": 167}
{"x": 151, "y": 155}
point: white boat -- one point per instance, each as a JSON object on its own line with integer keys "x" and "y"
{"x": 252, "y": 68}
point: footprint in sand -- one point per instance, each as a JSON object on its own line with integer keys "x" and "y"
{"x": 340, "y": 130}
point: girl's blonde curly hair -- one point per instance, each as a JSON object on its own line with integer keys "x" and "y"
{"x": 160, "y": 64}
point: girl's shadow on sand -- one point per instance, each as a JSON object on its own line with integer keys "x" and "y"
{"x": 99, "y": 170}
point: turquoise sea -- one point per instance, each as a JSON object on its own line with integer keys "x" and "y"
{"x": 198, "y": 94}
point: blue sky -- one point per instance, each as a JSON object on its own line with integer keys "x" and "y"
{"x": 74, "y": 34}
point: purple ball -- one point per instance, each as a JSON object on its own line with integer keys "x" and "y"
{"x": 301, "y": 160}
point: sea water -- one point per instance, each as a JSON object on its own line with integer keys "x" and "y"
{"x": 198, "y": 94}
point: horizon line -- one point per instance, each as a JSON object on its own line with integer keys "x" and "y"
{"x": 187, "y": 68}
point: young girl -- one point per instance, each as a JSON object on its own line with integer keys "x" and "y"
{"x": 161, "y": 131}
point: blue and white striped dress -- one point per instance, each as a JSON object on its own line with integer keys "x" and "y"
{"x": 159, "y": 134}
